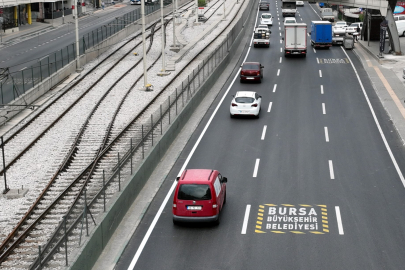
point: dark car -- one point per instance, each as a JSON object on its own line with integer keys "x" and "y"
{"x": 264, "y": 5}
{"x": 251, "y": 71}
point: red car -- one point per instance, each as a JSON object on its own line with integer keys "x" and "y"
{"x": 251, "y": 71}
{"x": 199, "y": 196}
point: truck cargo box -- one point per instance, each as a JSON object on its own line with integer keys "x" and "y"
{"x": 321, "y": 34}
{"x": 295, "y": 39}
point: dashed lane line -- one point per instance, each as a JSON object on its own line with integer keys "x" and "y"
{"x": 322, "y": 89}
{"x": 278, "y": 72}
{"x": 331, "y": 172}
{"x": 323, "y": 108}
{"x": 256, "y": 167}
{"x": 270, "y": 104}
{"x": 326, "y": 134}
{"x": 274, "y": 88}
{"x": 264, "y": 132}
{"x": 320, "y": 73}
{"x": 246, "y": 219}
{"x": 339, "y": 220}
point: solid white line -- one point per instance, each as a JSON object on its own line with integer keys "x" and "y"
{"x": 317, "y": 60}
{"x": 278, "y": 72}
{"x": 281, "y": 58}
{"x": 377, "y": 123}
{"x": 269, "y": 109}
{"x": 332, "y": 174}
{"x": 339, "y": 220}
{"x": 326, "y": 134}
{"x": 323, "y": 108}
{"x": 322, "y": 89}
{"x": 264, "y": 132}
{"x": 256, "y": 167}
{"x": 163, "y": 205}
{"x": 274, "y": 88}
{"x": 320, "y": 73}
{"x": 246, "y": 219}
{"x": 314, "y": 50}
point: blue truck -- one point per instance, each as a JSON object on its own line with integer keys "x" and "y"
{"x": 321, "y": 34}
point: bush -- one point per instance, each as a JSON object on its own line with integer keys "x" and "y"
{"x": 361, "y": 17}
{"x": 202, "y": 3}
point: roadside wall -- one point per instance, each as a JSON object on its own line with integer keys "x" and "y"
{"x": 107, "y": 224}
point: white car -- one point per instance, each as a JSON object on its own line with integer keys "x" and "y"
{"x": 288, "y": 20}
{"x": 246, "y": 103}
{"x": 266, "y": 19}
{"x": 299, "y": 3}
{"x": 135, "y": 2}
{"x": 262, "y": 26}
{"x": 340, "y": 28}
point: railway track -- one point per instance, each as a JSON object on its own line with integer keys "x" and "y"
{"x": 86, "y": 186}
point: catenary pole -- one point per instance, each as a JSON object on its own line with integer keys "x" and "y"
{"x": 77, "y": 36}
{"x": 145, "y": 77}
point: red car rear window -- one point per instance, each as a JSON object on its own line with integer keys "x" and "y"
{"x": 194, "y": 192}
{"x": 251, "y": 66}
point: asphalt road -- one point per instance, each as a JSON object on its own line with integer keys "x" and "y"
{"x": 324, "y": 173}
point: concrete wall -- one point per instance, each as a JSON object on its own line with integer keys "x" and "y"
{"x": 92, "y": 53}
{"x": 118, "y": 207}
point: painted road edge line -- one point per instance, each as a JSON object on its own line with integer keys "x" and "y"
{"x": 256, "y": 167}
{"x": 394, "y": 161}
{"x": 264, "y": 132}
{"x": 339, "y": 220}
{"x": 163, "y": 205}
{"x": 332, "y": 174}
{"x": 246, "y": 219}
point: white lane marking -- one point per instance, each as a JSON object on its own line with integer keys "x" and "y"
{"x": 281, "y": 49}
{"x": 314, "y": 50}
{"x": 163, "y": 205}
{"x": 320, "y": 73}
{"x": 264, "y": 132}
{"x": 274, "y": 88}
{"x": 281, "y": 41}
{"x": 279, "y": 28}
{"x": 281, "y": 58}
{"x": 256, "y": 167}
{"x": 322, "y": 89}
{"x": 280, "y": 34}
{"x": 307, "y": 34}
{"x": 269, "y": 109}
{"x": 339, "y": 220}
{"x": 377, "y": 123}
{"x": 317, "y": 60}
{"x": 278, "y": 72}
{"x": 246, "y": 219}
{"x": 278, "y": 18}
{"x": 332, "y": 174}
{"x": 301, "y": 19}
{"x": 326, "y": 134}
{"x": 323, "y": 108}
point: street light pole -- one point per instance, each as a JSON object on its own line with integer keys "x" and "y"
{"x": 163, "y": 71}
{"x": 174, "y": 23}
{"x": 76, "y": 13}
{"x": 145, "y": 74}
{"x": 63, "y": 13}
{"x": 6, "y": 188}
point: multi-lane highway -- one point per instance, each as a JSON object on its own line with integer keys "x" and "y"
{"x": 314, "y": 183}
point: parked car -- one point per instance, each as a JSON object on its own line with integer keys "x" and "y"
{"x": 199, "y": 196}
{"x": 266, "y": 18}
{"x": 251, "y": 71}
{"x": 300, "y": 3}
{"x": 264, "y": 5}
{"x": 246, "y": 103}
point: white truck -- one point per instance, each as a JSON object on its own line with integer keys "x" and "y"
{"x": 289, "y": 8}
{"x": 295, "y": 39}
{"x": 261, "y": 37}
{"x": 327, "y": 15}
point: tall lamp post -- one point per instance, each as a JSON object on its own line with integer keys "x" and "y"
{"x": 76, "y": 13}
{"x": 163, "y": 71}
{"x": 146, "y": 86}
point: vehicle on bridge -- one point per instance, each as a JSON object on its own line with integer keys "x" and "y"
{"x": 199, "y": 196}
{"x": 321, "y": 34}
{"x": 289, "y": 8}
{"x": 295, "y": 39}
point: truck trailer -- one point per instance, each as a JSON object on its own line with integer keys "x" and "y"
{"x": 321, "y": 34}
{"x": 295, "y": 39}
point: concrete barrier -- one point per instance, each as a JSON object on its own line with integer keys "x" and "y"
{"x": 109, "y": 221}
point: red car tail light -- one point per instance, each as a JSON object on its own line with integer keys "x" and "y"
{"x": 258, "y": 73}
{"x": 234, "y": 104}
{"x": 254, "y": 105}
{"x": 242, "y": 73}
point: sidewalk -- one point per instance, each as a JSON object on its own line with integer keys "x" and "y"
{"x": 386, "y": 77}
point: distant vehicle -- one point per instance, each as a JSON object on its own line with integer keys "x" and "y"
{"x": 300, "y": 3}
{"x": 264, "y": 5}
{"x": 246, "y": 103}
{"x": 135, "y": 2}
{"x": 262, "y": 26}
{"x": 261, "y": 37}
{"x": 199, "y": 196}
{"x": 359, "y": 24}
{"x": 339, "y": 28}
{"x": 251, "y": 71}
{"x": 266, "y": 19}
{"x": 295, "y": 39}
{"x": 327, "y": 15}
{"x": 289, "y": 8}
{"x": 290, "y": 20}
{"x": 351, "y": 30}
{"x": 321, "y": 34}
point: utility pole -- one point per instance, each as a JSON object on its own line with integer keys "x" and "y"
{"x": 146, "y": 86}
{"x": 76, "y": 14}
{"x": 63, "y": 13}
{"x": 224, "y": 11}
{"x": 174, "y": 23}
{"x": 163, "y": 71}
